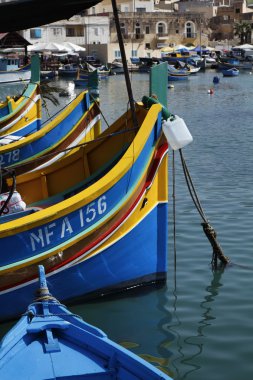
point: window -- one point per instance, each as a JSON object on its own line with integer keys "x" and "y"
{"x": 140, "y": 9}
{"x": 189, "y": 30}
{"x": 160, "y": 28}
{"x": 177, "y": 31}
{"x": 134, "y": 53}
{"x": 237, "y": 10}
{"x": 117, "y": 54}
{"x": 147, "y": 46}
{"x": 70, "y": 32}
{"x": 147, "y": 29}
{"x": 57, "y": 31}
{"x": 123, "y": 28}
{"x": 137, "y": 28}
{"x": 35, "y": 33}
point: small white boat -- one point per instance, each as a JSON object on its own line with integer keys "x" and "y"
{"x": 10, "y": 72}
{"x": 193, "y": 69}
{"x": 68, "y": 70}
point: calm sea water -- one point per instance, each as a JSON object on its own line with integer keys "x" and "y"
{"x": 200, "y": 325}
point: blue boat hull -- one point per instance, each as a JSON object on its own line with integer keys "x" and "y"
{"x": 43, "y": 143}
{"x": 49, "y": 342}
{"x": 177, "y": 77}
{"x": 102, "y": 274}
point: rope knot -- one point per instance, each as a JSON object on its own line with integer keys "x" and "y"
{"x": 217, "y": 251}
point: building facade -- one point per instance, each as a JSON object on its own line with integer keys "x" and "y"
{"x": 147, "y": 26}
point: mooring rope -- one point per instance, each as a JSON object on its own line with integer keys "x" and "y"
{"x": 207, "y": 228}
{"x": 174, "y": 208}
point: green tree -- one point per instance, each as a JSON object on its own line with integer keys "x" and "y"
{"x": 243, "y": 31}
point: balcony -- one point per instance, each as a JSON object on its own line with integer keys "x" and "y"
{"x": 138, "y": 36}
{"x": 162, "y": 36}
{"x": 190, "y": 35}
{"x": 132, "y": 37}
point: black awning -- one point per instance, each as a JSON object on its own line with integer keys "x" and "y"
{"x": 18, "y": 15}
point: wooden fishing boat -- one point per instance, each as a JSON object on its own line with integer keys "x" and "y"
{"x": 177, "y": 74}
{"x": 11, "y": 72}
{"x": 59, "y": 345}
{"x": 116, "y": 67}
{"x": 78, "y": 122}
{"x": 91, "y": 82}
{"x": 68, "y": 70}
{"x": 187, "y": 57}
{"x": 97, "y": 219}
{"x": 194, "y": 69}
{"x": 180, "y": 65}
{"x": 233, "y": 72}
{"x": 21, "y": 115}
{"x": 229, "y": 63}
{"x": 85, "y": 71}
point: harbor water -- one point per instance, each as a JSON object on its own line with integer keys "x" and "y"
{"x": 200, "y": 324}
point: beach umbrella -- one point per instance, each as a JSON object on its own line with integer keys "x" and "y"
{"x": 180, "y": 48}
{"x": 74, "y": 48}
{"x": 48, "y": 46}
{"x": 167, "y": 49}
{"x": 245, "y": 46}
{"x": 202, "y": 49}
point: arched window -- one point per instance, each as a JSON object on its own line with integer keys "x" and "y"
{"x": 161, "y": 28}
{"x": 189, "y": 29}
{"x": 123, "y": 28}
{"x": 137, "y": 28}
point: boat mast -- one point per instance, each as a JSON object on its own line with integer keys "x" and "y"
{"x": 124, "y": 62}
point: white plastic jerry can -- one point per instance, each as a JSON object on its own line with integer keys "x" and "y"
{"x": 176, "y": 132}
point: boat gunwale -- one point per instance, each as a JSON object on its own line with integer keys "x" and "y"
{"x": 28, "y": 95}
{"x": 47, "y": 128}
{"x": 92, "y": 192}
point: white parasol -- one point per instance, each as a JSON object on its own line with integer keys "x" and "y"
{"x": 75, "y": 48}
{"x": 48, "y": 46}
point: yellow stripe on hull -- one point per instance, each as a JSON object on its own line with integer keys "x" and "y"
{"x": 152, "y": 196}
{"x": 99, "y": 187}
{"x": 157, "y": 193}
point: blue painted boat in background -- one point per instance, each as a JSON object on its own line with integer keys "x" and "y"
{"x": 49, "y": 342}
{"x": 177, "y": 74}
{"x": 21, "y": 114}
{"x": 102, "y": 221}
{"x": 68, "y": 70}
{"x": 68, "y": 128}
{"x": 231, "y": 62}
{"x": 233, "y": 72}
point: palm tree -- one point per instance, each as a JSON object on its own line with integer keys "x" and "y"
{"x": 243, "y": 31}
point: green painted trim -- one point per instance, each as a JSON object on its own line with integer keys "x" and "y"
{"x": 158, "y": 83}
{"x": 35, "y": 68}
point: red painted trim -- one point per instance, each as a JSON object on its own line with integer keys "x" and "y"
{"x": 157, "y": 160}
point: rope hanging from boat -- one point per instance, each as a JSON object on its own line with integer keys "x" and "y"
{"x": 5, "y": 171}
{"x": 207, "y": 228}
{"x": 174, "y": 208}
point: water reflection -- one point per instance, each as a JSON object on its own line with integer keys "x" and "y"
{"x": 190, "y": 348}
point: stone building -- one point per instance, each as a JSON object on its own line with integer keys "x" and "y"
{"x": 223, "y": 24}
{"x": 145, "y": 34}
